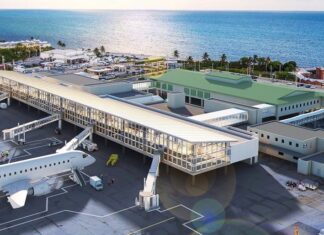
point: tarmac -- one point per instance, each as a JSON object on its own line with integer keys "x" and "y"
{"x": 243, "y": 199}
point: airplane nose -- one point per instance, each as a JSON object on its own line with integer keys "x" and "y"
{"x": 92, "y": 160}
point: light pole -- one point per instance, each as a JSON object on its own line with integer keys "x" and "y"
{"x": 3, "y": 63}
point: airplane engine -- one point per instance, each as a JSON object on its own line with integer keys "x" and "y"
{"x": 46, "y": 187}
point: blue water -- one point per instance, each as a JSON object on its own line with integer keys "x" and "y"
{"x": 281, "y": 35}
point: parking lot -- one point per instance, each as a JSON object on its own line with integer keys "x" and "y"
{"x": 242, "y": 200}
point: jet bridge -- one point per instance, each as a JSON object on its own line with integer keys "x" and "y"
{"x": 148, "y": 198}
{"x": 4, "y": 96}
{"x": 23, "y": 128}
{"x": 305, "y": 118}
{"x": 76, "y": 141}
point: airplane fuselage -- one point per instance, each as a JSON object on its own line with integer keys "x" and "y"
{"x": 38, "y": 168}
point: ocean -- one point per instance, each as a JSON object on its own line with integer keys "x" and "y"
{"x": 284, "y": 36}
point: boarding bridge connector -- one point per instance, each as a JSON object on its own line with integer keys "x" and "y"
{"x": 30, "y": 126}
{"x": 76, "y": 141}
{"x": 148, "y": 198}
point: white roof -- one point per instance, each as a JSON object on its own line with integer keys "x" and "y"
{"x": 263, "y": 106}
{"x": 181, "y": 128}
{"x": 217, "y": 114}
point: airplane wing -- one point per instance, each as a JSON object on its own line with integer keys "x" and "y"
{"x": 17, "y": 193}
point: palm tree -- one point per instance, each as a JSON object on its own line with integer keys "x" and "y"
{"x": 61, "y": 44}
{"x": 205, "y": 57}
{"x": 102, "y": 50}
{"x": 250, "y": 62}
{"x": 223, "y": 59}
{"x": 176, "y": 54}
{"x": 96, "y": 51}
{"x": 267, "y": 62}
{"x": 190, "y": 59}
{"x": 255, "y": 60}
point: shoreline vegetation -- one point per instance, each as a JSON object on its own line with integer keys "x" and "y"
{"x": 21, "y": 53}
{"x": 253, "y": 65}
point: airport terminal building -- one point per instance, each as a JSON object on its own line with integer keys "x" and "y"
{"x": 219, "y": 90}
{"x": 188, "y": 145}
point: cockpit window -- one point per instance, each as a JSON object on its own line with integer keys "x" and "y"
{"x": 85, "y": 155}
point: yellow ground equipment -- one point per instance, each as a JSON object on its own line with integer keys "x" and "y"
{"x": 112, "y": 160}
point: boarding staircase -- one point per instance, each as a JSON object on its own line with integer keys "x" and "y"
{"x": 77, "y": 177}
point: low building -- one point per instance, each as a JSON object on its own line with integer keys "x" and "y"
{"x": 320, "y": 73}
{"x": 218, "y": 88}
{"x": 68, "y": 56}
{"x": 287, "y": 141}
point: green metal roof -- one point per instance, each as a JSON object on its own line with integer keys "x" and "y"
{"x": 251, "y": 90}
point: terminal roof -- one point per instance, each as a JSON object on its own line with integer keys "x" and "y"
{"x": 249, "y": 90}
{"x": 181, "y": 128}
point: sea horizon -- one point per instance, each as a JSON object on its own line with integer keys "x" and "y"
{"x": 281, "y": 35}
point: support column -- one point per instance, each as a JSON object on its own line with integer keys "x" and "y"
{"x": 8, "y": 101}
{"x": 167, "y": 169}
{"x": 193, "y": 180}
{"x": 91, "y": 137}
{"x": 59, "y": 124}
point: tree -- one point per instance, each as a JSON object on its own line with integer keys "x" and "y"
{"x": 61, "y": 44}
{"x": 223, "y": 59}
{"x": 255, "y": 60}
{"x": 205, "y": 57}
{"x": 290, "y": 66}
{"x": 267, "y": 63}
{"x": 176, "y": 54}
{"x": 96, "y": 51}
{"x": 102, "y": 50}
{"x": 275, "y": 65}
{"x": 190, "y": 60}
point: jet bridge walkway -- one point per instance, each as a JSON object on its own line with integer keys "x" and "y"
{"x": 76, "y": 141}
{"x": 305, "y": 118}
{"x": 23, "y": 128}
{"x": 148, "y": 198}
{"x": 3, "y": 96}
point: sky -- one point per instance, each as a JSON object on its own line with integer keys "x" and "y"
{"x": 277, "y": 5}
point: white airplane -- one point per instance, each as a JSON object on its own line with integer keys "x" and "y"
{"x": 30, "y": 177}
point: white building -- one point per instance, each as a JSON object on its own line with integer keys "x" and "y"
{"x": 67, "y": 56}
{"x": 287, "y": 141}
{"x": 188, "y": 145}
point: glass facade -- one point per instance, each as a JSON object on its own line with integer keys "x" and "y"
{"x": 193, "y": 158}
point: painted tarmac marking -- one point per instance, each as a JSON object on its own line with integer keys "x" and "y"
{"x": 200, "y": 216}
{"x": 152, "y": 225}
